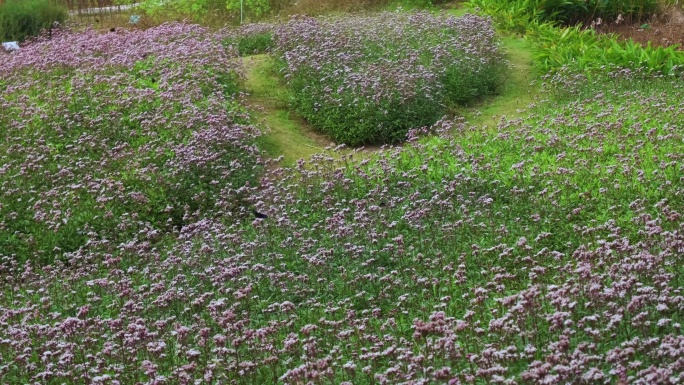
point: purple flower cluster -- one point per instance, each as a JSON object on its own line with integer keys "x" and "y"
{"x": 110, "y": 133}
{"x": 371, "y": 79}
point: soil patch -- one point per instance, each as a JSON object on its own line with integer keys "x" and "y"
{"x": 661, "y": 31}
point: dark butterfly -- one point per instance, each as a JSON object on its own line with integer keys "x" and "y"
{"x": 259, "y": 215}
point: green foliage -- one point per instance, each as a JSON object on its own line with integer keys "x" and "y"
{"x": 415, "y": 4}
{"x": 576, "y": 47}
{"x": 255, "y": 44}
{"x": 251, "y": 39}
{"x": 512, "y": 16}
{"x": 574, "y": 11}
{"x": 194, "y": 8}
{"x": 252, "y": 9}
{"x": 201, "y": 9}
{"x": 584, "y": 49}
{"x": 516, "y": 15}
{"x": 21, "y": 19}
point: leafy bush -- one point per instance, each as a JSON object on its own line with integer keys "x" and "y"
{"x": 20, "y": 19}
{"x": 109, "y": 134}
{"x": 584, "y": 49}
{"x": 571, "y": 12}
{"x": 252, "y": 9}
{"x": 230, "y": 10}
{"x": 250, "y": 39}
{"x": 512, "y": 16}
{"x": 575, "y": 47}
{"x": 516, "y": 14}
{"x": 323, "y": 7}
{"x": 198, "y": 10}
{"x": 370, "y": 79}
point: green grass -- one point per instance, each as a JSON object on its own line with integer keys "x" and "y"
{"x": 517, "y": 93}
{"x": 286, "y": 134}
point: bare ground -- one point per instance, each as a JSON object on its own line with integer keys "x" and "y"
{"x": 664, "y": 31}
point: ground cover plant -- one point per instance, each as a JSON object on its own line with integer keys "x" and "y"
{"x": 366, "y": 80}
{"x": 546, "y": 251}
{"x": 106, "y": 135}
{"x": 581, "y": 49}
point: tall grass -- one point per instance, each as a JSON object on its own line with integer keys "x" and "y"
{"x": 20, "y": 19}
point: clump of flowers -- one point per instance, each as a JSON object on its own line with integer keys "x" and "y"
{"x": 109, "y": 133}
{"x": 371, "y": 79}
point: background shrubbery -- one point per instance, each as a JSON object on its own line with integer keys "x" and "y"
{"x": 253, "y": 10}
{"x": 216, "y": 11}
{"x": 563, "y": 39}
{"x": 586, "y": 50}
{"x": 20, "y": 19}
{"x": 515, "y": 14}
{"x": 370, "y": 79}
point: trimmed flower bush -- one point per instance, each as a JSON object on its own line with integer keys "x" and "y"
{"x": 368, "y": 80}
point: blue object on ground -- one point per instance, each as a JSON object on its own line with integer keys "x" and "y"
{"x": 10, "y": 46}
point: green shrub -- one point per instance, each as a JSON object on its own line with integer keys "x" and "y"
{"x": 584, "y": 49}
{"x": 515, "y": 15}
{"x": 254, "y": 44}
{"x": 570, "y": 12}
{"x": 21, "y": 19}
{"x": 204, "y": 10}
{"x": 512, "y": 16}
{"x": 250, "y": 39}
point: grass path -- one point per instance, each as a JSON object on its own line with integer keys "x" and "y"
{"x": 517, "y": 94}
{"x": 289, "y": 135}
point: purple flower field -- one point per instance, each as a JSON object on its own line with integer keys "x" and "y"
{"x": 106, "y": 135}
{"x": 548, "y": 250}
